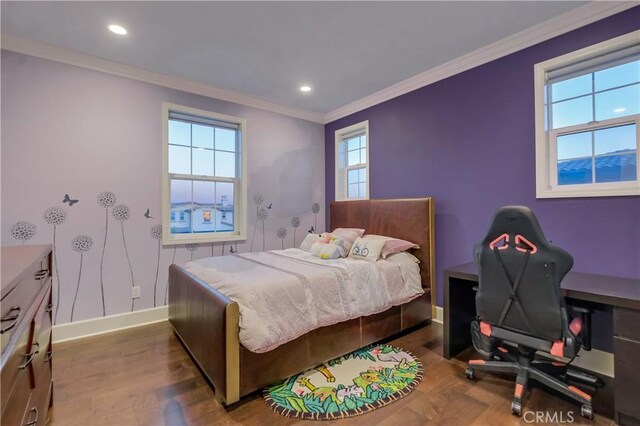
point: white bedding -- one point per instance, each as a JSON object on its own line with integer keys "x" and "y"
{"x": 283, "y": 294}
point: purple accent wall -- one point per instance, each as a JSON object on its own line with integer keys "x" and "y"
{"x": 468, "y": 141}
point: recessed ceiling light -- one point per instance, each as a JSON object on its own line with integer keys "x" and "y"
{"x": 305, "y": 89}
{"x": 117, "y": 29}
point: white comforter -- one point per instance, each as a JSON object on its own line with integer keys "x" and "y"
{"x": 284, "y": 294}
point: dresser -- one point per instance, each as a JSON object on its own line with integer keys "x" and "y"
{"x": 26, "y": 389}
{"x": 626, "y": 343}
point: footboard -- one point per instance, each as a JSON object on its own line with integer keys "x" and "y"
{"x": 206, "y": 322}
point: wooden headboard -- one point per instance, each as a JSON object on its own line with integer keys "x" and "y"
{"x": 410, "y": 219}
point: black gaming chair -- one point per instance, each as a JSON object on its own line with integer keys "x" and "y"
{"x": 519, "y": 301}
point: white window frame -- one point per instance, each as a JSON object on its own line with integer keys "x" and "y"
{"x": 341, "y": 190}
{"x": 240, "y": 182}
{"x": 546, "y": 145}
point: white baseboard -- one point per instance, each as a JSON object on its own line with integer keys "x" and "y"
{"x": 439, "y": 315}
{"x": 95, "y": 326}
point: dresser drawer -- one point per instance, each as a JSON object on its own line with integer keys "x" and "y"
{"x": 627, "y": 353}
{"x": 12, "y": 359}
{"x": 17, "y": 405}
{"x": 15, "y": 304}
{"x": 626, "y": 323}
{"x": 42, "y": 341}
{"x": 42, "y": 393}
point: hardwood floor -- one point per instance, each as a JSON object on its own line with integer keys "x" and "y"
{"x": 142, "y": 376}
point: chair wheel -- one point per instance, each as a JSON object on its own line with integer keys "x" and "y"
{"x": 516, "y": 408}
{"x": 587, "y": 411}
{"x": 469, "y": 373}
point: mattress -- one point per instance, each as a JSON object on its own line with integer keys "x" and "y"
{"x": 283, "y": 294}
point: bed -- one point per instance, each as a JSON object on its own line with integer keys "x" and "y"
{"x": 207, "y": 322}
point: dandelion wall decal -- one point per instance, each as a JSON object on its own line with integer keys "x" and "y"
{"x": 106, "y": 200}
{"x": 258, "y": 199}
{"x": 282, "y": 234}
{"x": 156, "y": 234}
{"x": 315, "y": 208}
{"x": 262, "y": 217}
{"x": 295, "y": 222}
{"x": 262, "y": 214}
{"x": 121, "y": 213}
{"x": 55, "y": 216}
{"x": 80, "y": 244}
{"x": 23, "y": 231}
{"x": 191, "y": 248}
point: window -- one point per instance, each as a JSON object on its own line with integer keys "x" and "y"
{"x": 352, "y": 162}
{"x": 588, "y": 121}
{"x": 204, "y": 176}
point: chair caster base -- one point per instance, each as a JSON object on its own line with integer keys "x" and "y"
{"x": 469, "y": 373}
{"x": 516, "y": 407}
{"x": 587, "y": 411}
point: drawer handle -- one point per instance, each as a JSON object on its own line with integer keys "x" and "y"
{"x": 49, "y": 356}
{"x": 10, "y": 317}
{"x": 42, "y": 274}
{"x": 29, "y": 357}
{"x": 35, "y": 420}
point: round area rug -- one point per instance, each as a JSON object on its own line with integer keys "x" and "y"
{"x": 348, "y": 386}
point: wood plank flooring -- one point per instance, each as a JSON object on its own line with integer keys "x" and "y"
{"x": 142, "y": 376}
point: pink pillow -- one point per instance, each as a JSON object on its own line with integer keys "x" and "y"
{"x": 393, "y": 245}
{"x": 396, "y": 245}
{"x": 348, "y": 235}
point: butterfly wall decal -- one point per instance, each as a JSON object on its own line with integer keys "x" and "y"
{"x": 231, "y": 250}
{"x": 147, "y": 215}
{"x": 69, "y": 200}
{"x": 269, "y": 206}
{"x": 312, "y": 230}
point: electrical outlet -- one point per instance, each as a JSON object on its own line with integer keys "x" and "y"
{"x": 135, "y": 292}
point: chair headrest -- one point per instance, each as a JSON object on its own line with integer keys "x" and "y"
{"x": 517, "y": 226}
{"x": 514, "y": 221}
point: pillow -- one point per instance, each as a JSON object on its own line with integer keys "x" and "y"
{"x": 403, "y": 257}
{"x": 367, "y": 249}
{"x": 348, "y": 235}
{"x": 309, "y": 240}
{"x": 393, "y": 245}
{"x": 409, "y": 270}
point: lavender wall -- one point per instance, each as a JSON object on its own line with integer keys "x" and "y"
{"x": 71, "y": 130}
{"x": 469, "y": 142}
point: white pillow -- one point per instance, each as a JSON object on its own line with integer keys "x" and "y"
{"x": 309, "y": 240}
{"x": 367, "y": 249}
{"x": 409, "y": 270}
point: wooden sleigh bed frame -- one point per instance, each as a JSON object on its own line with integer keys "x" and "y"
{"x": 206, "y": 321}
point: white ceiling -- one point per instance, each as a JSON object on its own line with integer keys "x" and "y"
{"x": 344, "y": 50}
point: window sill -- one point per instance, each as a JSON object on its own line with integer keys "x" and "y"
{"x": 629, "y": 191}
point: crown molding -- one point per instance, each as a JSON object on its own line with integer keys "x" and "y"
{"x": 568, "y": 21}
{"x": 70, "y": 57}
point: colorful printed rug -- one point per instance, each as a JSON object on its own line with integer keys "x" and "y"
{"x": 348, "y": 386}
